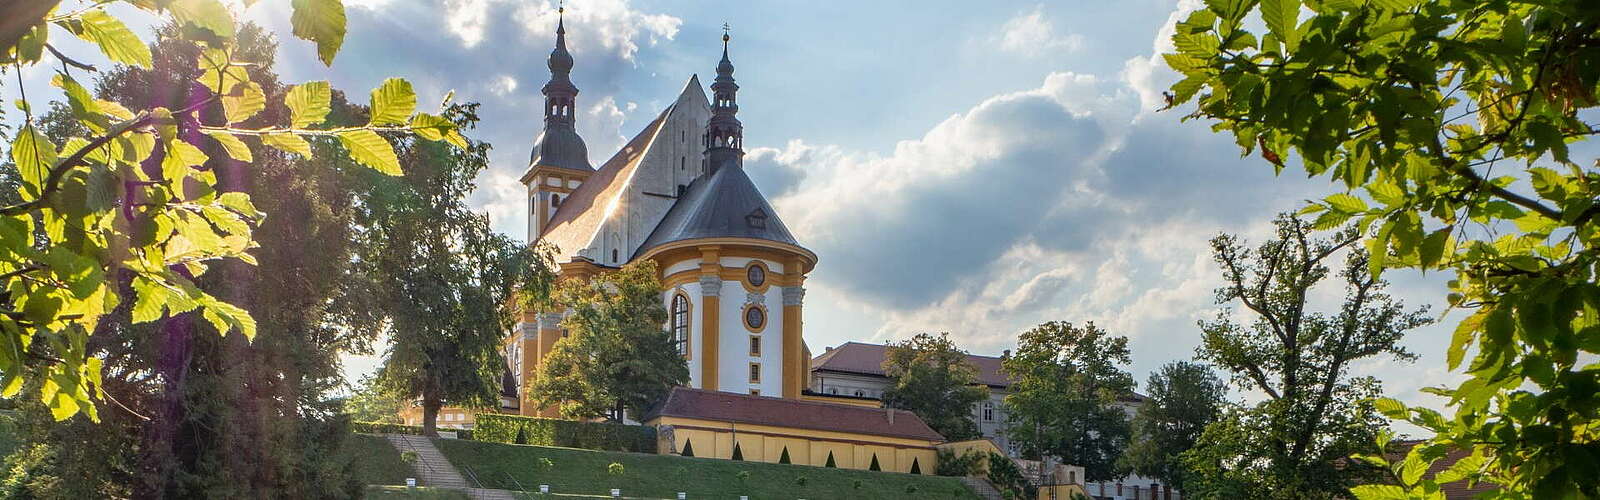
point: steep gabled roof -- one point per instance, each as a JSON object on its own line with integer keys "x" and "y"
{"x": 720, "y": 406}
{"x": 580, "y": 216}
{"x": 725, "y": 204}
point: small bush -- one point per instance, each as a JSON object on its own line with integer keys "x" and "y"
{"x": 615, "y": 469}
{"x": 545, "y": 463}
{"x": 800, "y": 480}
{"x": 409, "y": 457}
{"x": 857, "y": 484}
{"x": 911, "y": 488}
{"x": 742, "y": 475}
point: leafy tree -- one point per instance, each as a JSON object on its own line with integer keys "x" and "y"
{"x": 1064, "y": 400}
{"x": 441, "y": 281}
{"x": 1314, "y": 412}
{"x": 138, "y": 195}
{"x": 931, "y": 377}
{"x": 1183, "y": 399}
{"x": 236, "y": 417}
{"x": 370, "y": 403}
{"x": 617, "y": 359}
{"x": 1451, "y": 126}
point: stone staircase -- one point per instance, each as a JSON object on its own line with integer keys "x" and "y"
{"x": 431, "y": 467}
{"x": 981, "y": 487}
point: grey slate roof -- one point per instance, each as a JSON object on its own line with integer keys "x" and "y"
{"x": 724, "y": 204}
{"x": 560, "y": 146}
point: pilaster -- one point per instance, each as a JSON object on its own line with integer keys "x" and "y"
{"x": 710, "y": 307}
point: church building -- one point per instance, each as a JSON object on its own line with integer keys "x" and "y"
{"x": 677, "y": 193}
{"x": 733, "y": 275}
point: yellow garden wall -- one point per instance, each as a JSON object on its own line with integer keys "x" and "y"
{"x": 806, "y": 447}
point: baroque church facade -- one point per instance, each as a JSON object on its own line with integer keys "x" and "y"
{"x": 677, "y": 194}
{"x": 734, "y": 287}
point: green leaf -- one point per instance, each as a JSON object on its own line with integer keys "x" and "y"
{"x": 235, "y": 148}
{"x": 288, "y": 142}
{"x": 393, "y": 102}
{"x": 1465, "y": 331}
{"x": 226, "y": 317}
{"x": 370, "y": 149}
{"x": 1347, "y": 203}
{"x": 209, "y": 15}
{"x": 1390, "y": 407}
{"x": 1379, "y": 492}
{"x": 320, "y": 21}
{"x": 1396, "y": 5}
{"x": 148, "y": 300}
{"x": 180, "y": 156}
{"x": 34, "y": 156}
{"x": 1412, "y": 467}
{"x": 114, "y": 38}
{"x": 1282, "y": 18}
{"x": 84, "y": 107}
{"x": 241, "y": 107}
{"x": 308, "y": 103}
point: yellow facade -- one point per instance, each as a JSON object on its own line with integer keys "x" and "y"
{"x": 764, "y": 443}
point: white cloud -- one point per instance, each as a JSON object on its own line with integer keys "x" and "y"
{"x": 1031, "y": 34}
{"x": 504, "y": 85}
{"x": 611, "y": 25}
{"x": 467, "y": 19}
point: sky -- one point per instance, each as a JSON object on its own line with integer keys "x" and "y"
{"x": 975, "y": 168}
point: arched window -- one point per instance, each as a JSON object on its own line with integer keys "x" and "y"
{"x": 613, "y": 256}
{"x": 680, "y": 323}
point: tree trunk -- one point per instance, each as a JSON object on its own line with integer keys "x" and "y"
{"x": 430, "y": 413}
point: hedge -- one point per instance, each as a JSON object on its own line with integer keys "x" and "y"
{"x": 565, "y": 433}
{"x": 388, "y": 428}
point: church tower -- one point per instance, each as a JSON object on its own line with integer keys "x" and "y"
{"x": 724, "y": 137}
{"x": 560, "y": 160}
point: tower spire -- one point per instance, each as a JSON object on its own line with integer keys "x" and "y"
{"x": 560, "y": 145}
{"x": 724, "y": 134}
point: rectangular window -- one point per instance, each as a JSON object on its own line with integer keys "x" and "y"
{"x": 755, "y": 373}
{"x": 988, "y": 411}
{"x": 755, "y": 346}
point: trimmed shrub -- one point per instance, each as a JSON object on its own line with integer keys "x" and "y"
{"x": 565, "y": 433}
{"x": 385, "y": 428}
{"x": 415, "y": 430}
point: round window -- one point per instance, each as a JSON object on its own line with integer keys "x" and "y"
{"x": 755, "y": 318}
{"x": 756, "y": 275}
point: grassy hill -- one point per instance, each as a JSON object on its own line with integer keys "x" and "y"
{"x": 377, "y": 462}
{"x": 586, "y": 472}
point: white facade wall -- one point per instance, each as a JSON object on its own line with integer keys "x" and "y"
{"x": 733, "y": 342}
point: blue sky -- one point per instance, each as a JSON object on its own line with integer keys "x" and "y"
{"x": 976, "y": 168}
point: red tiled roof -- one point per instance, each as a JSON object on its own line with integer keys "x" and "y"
{"x": 720, "y": 406}
{"x": 867, "y": 359}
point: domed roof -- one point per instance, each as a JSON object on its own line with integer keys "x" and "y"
{"x": 724, "y": 204}
{"x": 560, "y": 147}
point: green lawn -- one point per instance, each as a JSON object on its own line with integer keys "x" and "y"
{"x": 584, "y": 472}
{"x": 377, "y": 462}
{"x": 418, "y": 493}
